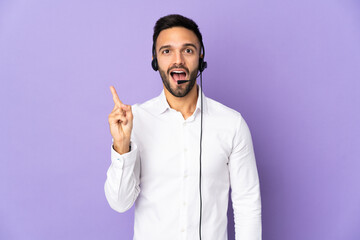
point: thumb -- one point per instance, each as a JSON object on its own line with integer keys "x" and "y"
{"x": 128, "y": 110}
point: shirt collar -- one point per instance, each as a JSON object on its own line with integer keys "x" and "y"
{"x": 162, "y": 104}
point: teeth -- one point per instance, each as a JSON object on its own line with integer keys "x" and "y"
{"x": 178, "y": 72}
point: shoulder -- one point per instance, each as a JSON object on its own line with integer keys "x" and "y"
{"x": 228, "y": 119}
{"x": 216, "y": 108}
{"x": 147, "y": 106}
{"x": 228, "y": 124}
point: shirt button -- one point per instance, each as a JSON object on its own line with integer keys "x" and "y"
{"x": 185, "y": 176}
{"x": 185, "y": 149}
{"x": 184, "y": 203}
{"x": 182, "y": 230}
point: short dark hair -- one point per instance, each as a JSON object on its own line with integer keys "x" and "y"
{"x": 175, "y": 20}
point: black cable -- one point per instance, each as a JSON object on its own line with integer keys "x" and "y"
{"x": 201, "y": 123}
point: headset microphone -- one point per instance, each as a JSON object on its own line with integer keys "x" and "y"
{"x": 182, "y": 81}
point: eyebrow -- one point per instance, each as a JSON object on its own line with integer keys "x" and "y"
{"x": 184, "y": 45}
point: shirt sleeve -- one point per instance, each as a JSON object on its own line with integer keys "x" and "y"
{"x": 245, "y": 189}
{"x": 123, "y": 179}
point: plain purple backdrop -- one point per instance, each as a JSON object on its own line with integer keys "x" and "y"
{"x": 291, "y": 68}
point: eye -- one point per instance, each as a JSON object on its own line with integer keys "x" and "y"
{"x": 188, "y": 50}
{"x": 166, "y": 51}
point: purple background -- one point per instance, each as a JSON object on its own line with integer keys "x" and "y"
{"x": 291, "y": 68}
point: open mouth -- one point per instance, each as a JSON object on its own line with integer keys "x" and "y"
{"x": 178, "y": 75}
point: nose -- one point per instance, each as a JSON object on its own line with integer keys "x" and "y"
{"x": 179, "y": 58}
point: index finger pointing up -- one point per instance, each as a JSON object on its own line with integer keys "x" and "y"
{"x": 115, "y": 96}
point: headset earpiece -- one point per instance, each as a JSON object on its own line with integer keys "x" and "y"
{"x": 154, "y": 64}
{"x": 202, "y": 63}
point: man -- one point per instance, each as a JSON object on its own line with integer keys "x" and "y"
{"x": 156, "y": 149}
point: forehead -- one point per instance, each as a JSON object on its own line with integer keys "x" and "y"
{"x": 176, "y": 36}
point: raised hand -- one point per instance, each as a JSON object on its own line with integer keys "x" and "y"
{"x": 121, "y": 122}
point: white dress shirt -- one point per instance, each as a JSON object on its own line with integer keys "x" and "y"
{"x": 161, "y": 173}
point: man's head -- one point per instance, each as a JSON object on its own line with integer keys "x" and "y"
{"x": 177, "y": 52}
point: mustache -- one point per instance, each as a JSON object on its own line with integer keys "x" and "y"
{"x": 178, "y": 67}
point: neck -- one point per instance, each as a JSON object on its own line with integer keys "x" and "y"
{"x": 186, "y": 105}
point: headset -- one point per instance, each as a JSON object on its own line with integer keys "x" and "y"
{"x": 202, "y": 66}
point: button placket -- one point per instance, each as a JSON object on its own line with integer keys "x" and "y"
{"x": 185, "y": 175}
{"x": 184, "y": 188}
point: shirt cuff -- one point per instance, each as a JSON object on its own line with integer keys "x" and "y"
{"x": 126, "y": 159}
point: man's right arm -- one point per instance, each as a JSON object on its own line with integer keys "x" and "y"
{"x": 122, "y": 182}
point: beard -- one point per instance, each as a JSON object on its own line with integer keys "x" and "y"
{"x": 178, "y": 91}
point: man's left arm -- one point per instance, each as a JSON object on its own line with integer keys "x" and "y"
{"x": 245, "y": 187}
